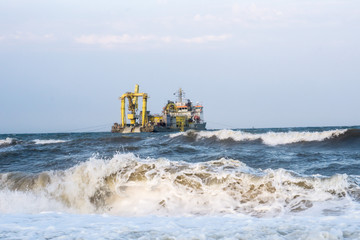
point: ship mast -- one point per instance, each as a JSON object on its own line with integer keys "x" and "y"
{"x": 180, "y": 94}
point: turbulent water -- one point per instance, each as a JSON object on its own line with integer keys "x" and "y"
{"x": 299, "y": 183}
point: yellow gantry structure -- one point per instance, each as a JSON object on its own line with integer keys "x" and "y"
{"x": 133, "y": 107}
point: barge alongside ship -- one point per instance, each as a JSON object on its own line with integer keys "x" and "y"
{"x": 180, "y": 115}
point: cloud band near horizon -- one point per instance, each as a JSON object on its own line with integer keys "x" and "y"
{"x": 113, "y": 40}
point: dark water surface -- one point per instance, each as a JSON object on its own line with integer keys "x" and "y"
{"x": 320, "y": 151}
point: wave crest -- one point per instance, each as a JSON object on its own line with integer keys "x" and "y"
{"x": 7, "y": 141}
{"x": 127, "y": 185}
{"x": 48, "y": 141}
{"x": 269, "y": 138}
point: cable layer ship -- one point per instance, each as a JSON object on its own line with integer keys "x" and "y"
{"x": 180, "y": 115}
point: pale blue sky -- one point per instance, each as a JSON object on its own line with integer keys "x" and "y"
{"x": 273, "y": 63}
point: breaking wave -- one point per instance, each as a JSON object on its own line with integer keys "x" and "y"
{"x": 48, "y": 141}
{"x": 7, "y": 141}
{"x": 130, "y": 186}
{"x": 269, "y": 138}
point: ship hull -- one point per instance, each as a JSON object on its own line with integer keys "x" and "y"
{"x": 197, "y": 126}
{"x": 116, "y": 128}
{"x": 137, "y": 129}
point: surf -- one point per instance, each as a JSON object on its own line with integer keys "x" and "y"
{"x": 269, "y": 138}
{"x": 7, "y": 141}
{"x": 127, "y": 185}
{"x": 48, "y": 141}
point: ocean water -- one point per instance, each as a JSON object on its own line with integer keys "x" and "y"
{"x": 284, "y": 183}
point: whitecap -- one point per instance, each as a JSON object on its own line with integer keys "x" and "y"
{"x": 48, "y": 141}
{"x": 7, "y": 141}
{"x": 127, "y": 185}
{"x": 268, "y": 138}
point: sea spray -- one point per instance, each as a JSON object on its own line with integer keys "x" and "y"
{"x": 127, "y": 185}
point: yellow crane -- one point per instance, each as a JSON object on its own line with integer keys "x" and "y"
{"x": 133, "y": 107}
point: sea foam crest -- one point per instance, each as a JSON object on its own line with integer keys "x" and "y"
{"x": 48, "y": 141}
{"x": 130, "y": 186}
{"x": 269, "y": 138}
{"x": 7, "y": 141}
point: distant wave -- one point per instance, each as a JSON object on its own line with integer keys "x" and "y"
{"x": 48, "y": 141}
{"x": 7, "y": 141}
{"x": 269, "y": 138}
{"x": 130, "y": 186}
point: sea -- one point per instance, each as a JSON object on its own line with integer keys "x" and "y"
{"x": 274, "y": 183}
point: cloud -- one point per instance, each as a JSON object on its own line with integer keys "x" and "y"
{"x": 242, "y": 14}
{"x": 208, "y": 38}
{"x": 113, "y": 39}
{"x": 253, "y": 12}
{"x": 27, "y": 37}
{"x": 126, "y": 39}
{"x": 162, "y": 1}
{"x": 207, "y": 17}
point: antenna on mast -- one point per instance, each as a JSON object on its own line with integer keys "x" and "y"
{"x": 180, "y": 94}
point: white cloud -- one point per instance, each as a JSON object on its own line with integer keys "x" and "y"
{"x": 28, "y": 37}
{"x": 205, "y": 39}
{"x": 167, "y": 39}
{"x": 242, "y": 14}
{"x": 162, "y": 1}
{"x": 115, "y": 40}
{"x": 254, "y": 12}
{"x": 207, "y": 17}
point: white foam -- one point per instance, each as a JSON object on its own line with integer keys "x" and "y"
{"x": 48, "y": 141}
{"x": 71, "y": 226}
{"x": 7, "y": 141}
{"x": 129, "y": 186}
{"x": 20, "y": 202}
{"x": 269, "y": 138}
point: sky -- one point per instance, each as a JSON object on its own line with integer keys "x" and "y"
{"x": 265, "y": 63}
